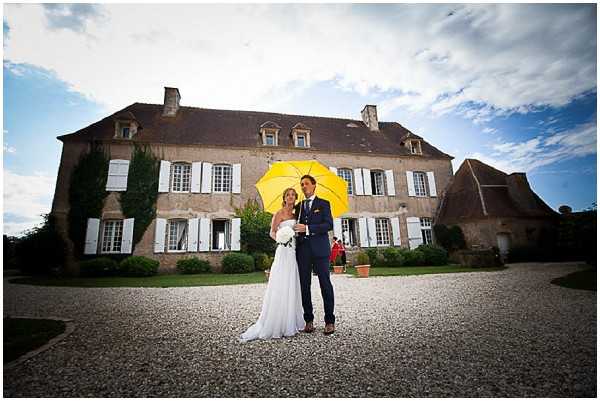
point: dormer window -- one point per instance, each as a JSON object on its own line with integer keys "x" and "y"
{"x": 126, "y": 125}
{"x": 301, "y": 140}
{"x": 269, "y": 132}
{"x": 415, "y": 147}
{"x": 270, "y": 139}
{"x": 125, "y": 132}
{"x": 301, "y": 134}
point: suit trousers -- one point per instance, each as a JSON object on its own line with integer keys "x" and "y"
{"x": 306, "y": 262}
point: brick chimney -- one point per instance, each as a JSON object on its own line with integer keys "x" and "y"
{"x": 369, "y": 116}
{"x": 171, "y": 104}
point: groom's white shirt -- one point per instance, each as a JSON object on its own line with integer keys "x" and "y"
{"x": 310, "y": 200}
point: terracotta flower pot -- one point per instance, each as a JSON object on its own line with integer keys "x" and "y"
{"x": 363, "y": 270}
{"x": 338, "y": 269}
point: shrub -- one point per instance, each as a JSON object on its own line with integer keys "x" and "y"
{"x": 139, "y": 266}
{"x": 372, "y": 254}
{"x": 362, "y": 258}
{"x": 261, "y": 261}
{"x": 414, "y": 257}
{"x": 255, "y": 225}
{"x": 238, "y": 263}
{"x": 98, "y": 267}
{"x": 338, "y": 261}
{"x": 41, "y": 250}
{"x": 392, "y": 257}
{"x": 433, "y": 255}
{"x": 193, "y": 266}
{"x": 451, "y": 238}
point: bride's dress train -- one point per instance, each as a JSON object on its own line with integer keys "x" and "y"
{"x": 281, "y": 313}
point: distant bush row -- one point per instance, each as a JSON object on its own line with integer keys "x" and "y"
{"x": 424, "y": 255}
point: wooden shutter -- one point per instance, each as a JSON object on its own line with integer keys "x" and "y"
{"x": 236, "y": 185}
{"x": 192, "y": 240}
{"x": 91, "y": 236}
{"x": 391, "y": 188}
{"x": 127, "y": 242}
{"x": 164, "y": 175}
{"x": 413, "y": 224}
{"x": 395, "y": 223}
{"x": 235, "y": 234}
{"x": 204, "y": 244}
{"x": 206, "y": 178}
{"x": 337, "y": 228}
{"x": 196, "y": 175}
{"x": 431, "y": 181}
{"x": 366, "y": 173}
{"x": 117, "y": 175}
{"x": 362, "y": 228}
{"x": 358, "y": 182}
{"x": 371, "y": 229}
{"x": 159, "y": 235}
{"x": 410, "y": 181}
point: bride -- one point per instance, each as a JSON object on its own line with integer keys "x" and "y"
{"x": 281, "y": 313}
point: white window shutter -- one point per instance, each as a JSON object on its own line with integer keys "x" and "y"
{"x": 127, "y": 241}
{"x": 236, "y": 184}
{"x": 413, "y": 224}
{"x": 117, "y": 175}
{"x": 192, "y": 240}
{"x": 431, "y": 181}
{"x": 391, "y": 188}
{"x": 358, "y": 182}
{"x": 204, "y": 245}
{"x": 395, "y": 223}
{"x": 159, "y": 235}
{"x": 333, "y": 170}
{"x": 165, "y": 174}
{"x": 91, "y": 236}
{"x": 235, "y": 234}
{"x": 410, "y": 181}
{"x": 337, "y": 228}
{"x": 367, "y": 181}
{"x": 362, "y": 228}
{"x": 206, "y": 178}
{"x": 196, "y": 175}
{"x": 372, "y": 231}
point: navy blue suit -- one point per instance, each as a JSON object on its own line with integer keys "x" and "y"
{"x": 312, "y": 251}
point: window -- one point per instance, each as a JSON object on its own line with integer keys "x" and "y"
{"x": 420, "y": 187}
{"x": 346, "y": 174}
{"x": 181, "y": 177}
{"x": 377, "y": 182}
{"x": 221, "y": 178}
{"x": 382, "y": 231}
{"x": 426, "y": 230}
{"x": 270, "y": 139}
{"x": 112, "y": 236}
{"x": 349, "y": 232}
{"x": 177, "y": 240}
{"x": 415, "y": 147}
{"x": 125, "y": 132}
{"x": 221, "y": 235}
{"x": 301, "y": 141}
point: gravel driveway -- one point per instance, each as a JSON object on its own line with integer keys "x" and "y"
{"x": 491, "y": 334}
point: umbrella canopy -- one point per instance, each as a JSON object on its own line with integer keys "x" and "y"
{"x": 287, "y": 174}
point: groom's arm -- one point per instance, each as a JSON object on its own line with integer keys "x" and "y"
{"x": 326, "y": 225}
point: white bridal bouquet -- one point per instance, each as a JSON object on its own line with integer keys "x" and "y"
{"x": 284, "y": 236}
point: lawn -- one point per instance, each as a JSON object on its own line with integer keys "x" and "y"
{"x": 24, "y": 335}
{"x": 579, "y": 280}
{"x": 163, "y": 280}
{"x": 411, "y": 271}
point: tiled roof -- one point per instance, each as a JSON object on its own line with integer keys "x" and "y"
{"x": 197, "y": 126}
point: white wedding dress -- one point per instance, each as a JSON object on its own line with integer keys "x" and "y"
{"x": 281, "y": 314}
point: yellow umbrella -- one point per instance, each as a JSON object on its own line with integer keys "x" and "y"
{"x": 287, "y": 174}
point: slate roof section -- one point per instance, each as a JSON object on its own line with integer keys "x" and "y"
{"x": 198, "y": 126}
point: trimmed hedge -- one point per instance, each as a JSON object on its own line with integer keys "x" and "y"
{"x": 424, "y": 255}
{"x": 237, "y": 263}
{"x": 193, "y": 265}
{"x": 262, "y": 261}
{"x": 139, "y": 266}
{"x": 99, "y": 267}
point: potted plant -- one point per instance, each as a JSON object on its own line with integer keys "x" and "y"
{"x": 338, "y": 267}
{"x": 362, "y": 264}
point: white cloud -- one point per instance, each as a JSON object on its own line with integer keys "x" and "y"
{"x": 489, "y": 130}
{"x": 542, "y": 151}
{"x": 480, "y": 61}
{"x": 9, "y": 149}
{"x": 26, "y": 197}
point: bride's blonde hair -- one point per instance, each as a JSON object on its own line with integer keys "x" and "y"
{"x": 285, "y": 193}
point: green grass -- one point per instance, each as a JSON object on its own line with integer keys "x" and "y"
{"x": 164, "y": 280}
{"x": 24, "y": 335}
{"x": 411, "y": 271}
{"x": 579, "y": 280}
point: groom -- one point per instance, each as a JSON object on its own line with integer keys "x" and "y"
{"x": 312, "y": 250}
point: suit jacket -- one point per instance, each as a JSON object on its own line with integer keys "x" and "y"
{"x": 319, "y": 222}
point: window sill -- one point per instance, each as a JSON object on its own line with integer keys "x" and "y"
{"x": 176, "y": 250}
{"x": 110, "y": 253}
{"x": 180, "y": 192}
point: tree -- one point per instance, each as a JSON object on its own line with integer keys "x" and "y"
{"x": 254, "y": 228}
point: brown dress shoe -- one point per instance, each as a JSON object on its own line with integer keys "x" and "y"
{"x": 309, "y": 327}
{"x": 329, "y": 329}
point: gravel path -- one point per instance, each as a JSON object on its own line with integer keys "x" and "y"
{"x": 491, "y": 334}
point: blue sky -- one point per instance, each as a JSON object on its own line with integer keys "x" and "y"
{"x": 471, "y": 79}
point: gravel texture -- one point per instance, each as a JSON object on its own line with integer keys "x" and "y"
{"x": 487, "y": 334}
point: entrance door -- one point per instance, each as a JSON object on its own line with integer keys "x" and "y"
{"x": 503, "y": 244}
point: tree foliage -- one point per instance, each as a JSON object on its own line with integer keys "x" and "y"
{"x": 254, "y": 228}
